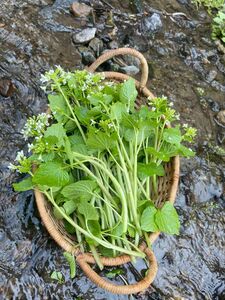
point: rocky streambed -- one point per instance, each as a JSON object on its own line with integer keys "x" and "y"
{"x": 185, "y": 65}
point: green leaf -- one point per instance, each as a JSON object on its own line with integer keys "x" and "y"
{"x": 82, "y": 189}
{"x": 148, "y": 219}
{"x": 82, "y": 114}
{"x": 69, "y": 228}
{"x": 117, "y": 111}
{"x": 80, "y": 148}
{"x": 24, "y": 185}
{"x": 184, "y": 151}
{"x": 57, "y": 133}
{"x": 88, "y": 211}
{"x": 118, "y": 230}
{"x": 71, "y": 261}
{"x": 57, "y": 276}
{"x": 69, "y": 207}
{"x": 128, "y": 93}
{"x": 167, "y": 219}
{"x": 145, "y": 170}
{"x": 96, "y": 98}
{"x": 51, "y": 174}
{"x": 112, "y": 274}
{"x": 57, "y": 213}
{"x": 58, "y": 105}
{"x": 100, "y": 141}
{"x": 95, "y": 229}
{"x": 172, "y": 135}
{"x": 163, "y": 155}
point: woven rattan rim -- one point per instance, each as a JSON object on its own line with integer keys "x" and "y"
{"x": 67, "y": 243}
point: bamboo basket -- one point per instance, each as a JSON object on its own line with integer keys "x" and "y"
{"x": 167, "y": 187}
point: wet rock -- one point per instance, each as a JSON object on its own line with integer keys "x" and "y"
{"x": 80, "y": 9}
{"x": 84, "y": 36}
{"x": 87, "y": 55}
{"x": 96, "y": 45}
{"x": 220, "y": 118}
{"x": 7, "y": 88}
{"x": 113, "y": 45}
{"x": 152, "y": 24}
{"x": 212, "y": 75}
{"x": 130, "y": 70}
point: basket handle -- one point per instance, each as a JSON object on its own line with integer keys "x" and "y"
{"x": 84, "y": 260}
{"x": 123, "y": 51}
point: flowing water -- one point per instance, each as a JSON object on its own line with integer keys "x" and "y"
{"x": 186, "y": 66}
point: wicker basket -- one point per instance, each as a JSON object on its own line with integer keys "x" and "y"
{"x": 167, "y": 187}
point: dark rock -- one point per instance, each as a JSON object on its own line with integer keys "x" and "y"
{"x": 84, "y": 36}
{"x": 7, "y": 88}
{"x": 96, "y": 45}
{"x": 129, "y": 70}
{"x": 152, "y": 24}
{"x": 87, "y": 55}
{"x": 113, "y": 45}
{"x": 80, "y": 9}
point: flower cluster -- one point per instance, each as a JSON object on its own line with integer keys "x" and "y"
{"x": 35, "y": 126}
{"x": 23, "y": 163}
{"x": 189, "y": 134}
{"x": 162, "y": 105}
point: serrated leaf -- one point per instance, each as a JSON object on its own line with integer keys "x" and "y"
{"x": 57, "y": 276}
{"x": 172, "y": 135}
{"x": 117, "y": 111}
{"x": 88, "y": 211}
{"x": 145, "y": 170}
{"x": 128, "y": 93}
{"x": 71, "y": 261}
{"x": 24, "y": 185}
{"x": 51, "y": 174}
{"x": 148, "y": 219}
{"x": 167, "y": 219}
{"x": 56, "y": 131}
{"x": 100, "y": 141}
{"x": 58, "y": 105}
{"x": 82, "y": 189}
{"x": 184, "y": 151}
{"x": 69, "y": 207}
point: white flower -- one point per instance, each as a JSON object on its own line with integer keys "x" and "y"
{"x": 92, "y": 122}
{"x": 12, "y": 167}
{"x": 171, "y": 104}
{"x": 110, "y": 125}
{"x": 153, "y": 108}
{"x": 177, "y": 117}
{"x": 185, "y": 125}
{"x": 43, "y": 78}
{"x": 30, "y": 147}
{"x": 20, "y": 156}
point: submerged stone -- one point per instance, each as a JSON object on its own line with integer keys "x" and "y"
{"x": 80, "y": 9}
{"x": 84, "y": 36}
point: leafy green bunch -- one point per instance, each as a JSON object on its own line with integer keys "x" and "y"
{"x": 99, "y": 160}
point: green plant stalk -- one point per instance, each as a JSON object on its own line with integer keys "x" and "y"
{"x": 131, "y": 193}
{"x": 116, "y": 184}
{"x": 72, "y": 112}
{"x": 91, "y": 236}
{"x": 78, "y": 235}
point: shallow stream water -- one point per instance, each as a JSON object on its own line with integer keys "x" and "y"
{"x": 185, "y": 65}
